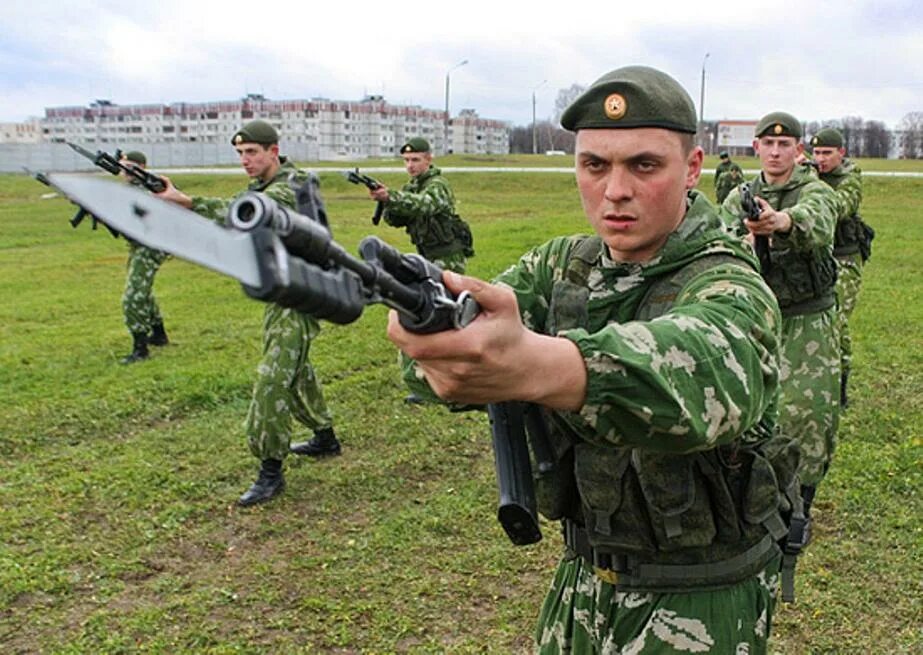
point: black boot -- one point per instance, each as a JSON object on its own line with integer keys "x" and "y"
{"x": 844, "y": 380}
{"x": 323, "y": 444}
{"x": 158, "y": 335}
{"x": 269, "y": 483}
{"x": 139, "y": 349}
{"x": 413, "y": 399}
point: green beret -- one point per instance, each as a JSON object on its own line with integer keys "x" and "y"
{"x": 416, "y": 144}
{"x": 256, "y": 131}
{"x": 828, "y": 138}
{"x": 723, "y": 154}
{"x": 629, "y": 97}
{"x": 136, "y": 156}
{"x": 778, "y": 123}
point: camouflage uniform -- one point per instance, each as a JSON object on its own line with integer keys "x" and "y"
{"x": 846, "y": 179}
{"x": 286, "y": 384}
{"x": 802, "y": 277}
{"x": 727, "y": 176}
{"x": 138, "y": 302}
{"x": 664, "y": 395}
{"x": 425, "y": 206}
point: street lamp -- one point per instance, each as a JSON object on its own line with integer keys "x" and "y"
{"x": 534, "y": 143}
{"x": 445, "y": 136}
{"x": 702, "y": 102}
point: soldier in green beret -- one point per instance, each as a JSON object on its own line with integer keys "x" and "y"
{"x": 653, "y": 347}
{"x": 139, "y": 306}
{"x": 286, "y": 384}
{"x": 727, "y": 175}
{"x": 425, "y": 207}
{"x": 851, "y": 238}
{"x": 798, "y": 216}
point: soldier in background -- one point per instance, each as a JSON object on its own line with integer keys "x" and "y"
{"x": 798, "y": 215}
{"x": 286, "y": 384}
{"x": 846, "y": 179}
{"x": 425, "y": 207}
{"x": 654, "y": 347}
{"x": 727, "y": 175}
{"x": 142, "y": 313}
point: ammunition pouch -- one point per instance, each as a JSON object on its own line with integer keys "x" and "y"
{"x": 802, "y": 282}
{"x": 848, "y": 236}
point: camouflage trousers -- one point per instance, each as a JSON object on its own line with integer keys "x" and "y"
{"x": 138, "y": 303}
{"x": 584, "y": 615}
{"x": 848, "y": 283}
{"x": 809, "y": 377}
{"x": 286, "y": 385}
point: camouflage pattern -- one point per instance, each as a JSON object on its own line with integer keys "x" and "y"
{"x": 810, "y": 361}
{"x": 810, "y": 380}
{"x": 138, "y": 302}
{"x": 701, "y": 375}
{"x": 286, "y": 385}
{"x": 727, "y": 176}
{"x": 584, "y": 614}
{"x": 846, "y": 180}
{"x": 425, "y": 207}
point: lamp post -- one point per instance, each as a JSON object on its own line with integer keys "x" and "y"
{"x": 702, "y": 103}
{"x": 445, "y": 136}
{"x": 534, "y": 141}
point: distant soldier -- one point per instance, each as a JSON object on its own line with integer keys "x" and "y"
{"x": 142, "y": 314}
{"x": 425, "y": 206}
{"x": 798, "y": 215}
{"x": 286, "y": 384}
{"x": 846, "y": 179}
{"x": 727, "y": 175}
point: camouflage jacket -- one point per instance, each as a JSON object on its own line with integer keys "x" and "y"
{"x": 654, "y": 384}
{"x": 277, "y": 188}
{"x": 846, "y": 180}
{"x": 803, "y": 270}
{"x": 425, "y": 207}
{"x": 730, "y": 178}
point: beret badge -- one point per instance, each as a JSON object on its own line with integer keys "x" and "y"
{"x": 615, "y": 106}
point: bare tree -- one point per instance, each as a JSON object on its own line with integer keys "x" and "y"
{"x": 912, "y": 135}
{"x": 877, "y": 140}
{"x": 564, "y": 100}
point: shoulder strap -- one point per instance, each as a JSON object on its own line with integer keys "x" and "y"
{"x": 581, "y": 258}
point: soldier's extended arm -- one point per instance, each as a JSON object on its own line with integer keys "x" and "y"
{"x": 405, "y": 206}
{"x": 813, "y": 218}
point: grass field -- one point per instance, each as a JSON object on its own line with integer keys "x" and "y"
{"x": 118, "y": 528}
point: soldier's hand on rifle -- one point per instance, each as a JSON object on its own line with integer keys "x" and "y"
{"x": 173, "y": 194}
{"x": 770, "y": 220}
{"x": 380, "y": 194}
{"x": 495, "y": 358}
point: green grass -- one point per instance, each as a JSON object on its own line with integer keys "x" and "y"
{"x": 118, "y": 529}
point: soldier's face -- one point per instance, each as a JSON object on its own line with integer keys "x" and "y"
{"x": 633, "y": 185}
{"x": 417, "y": 162}
{"x": 828, "y": 158}
{"x": 258, "y": 160}
{"x": 777, "y": 155}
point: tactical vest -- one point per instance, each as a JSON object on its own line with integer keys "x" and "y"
{"x": 849, "y": 231}
{"x": 803, "y": 283}
{"x": 664, "y": 521}
{"x": 441, "y": 235}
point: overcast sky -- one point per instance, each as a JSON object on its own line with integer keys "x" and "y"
{"x": 817, "y": 60}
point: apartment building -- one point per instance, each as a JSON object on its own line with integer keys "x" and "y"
{"x": 331, "y": 129}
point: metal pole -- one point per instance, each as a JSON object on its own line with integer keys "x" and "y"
{"x": 534, "y": 139}
{"x": 702, "y": 103}
{"x": 445, "y": 135}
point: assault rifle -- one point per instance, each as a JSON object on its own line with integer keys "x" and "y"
{"x": 113, "y": 164}
{"x": 289, "y": 258}
{"x": 358, "y": 178}
{"x": 81, "y": 214}
{"x": 760, "y": 241}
